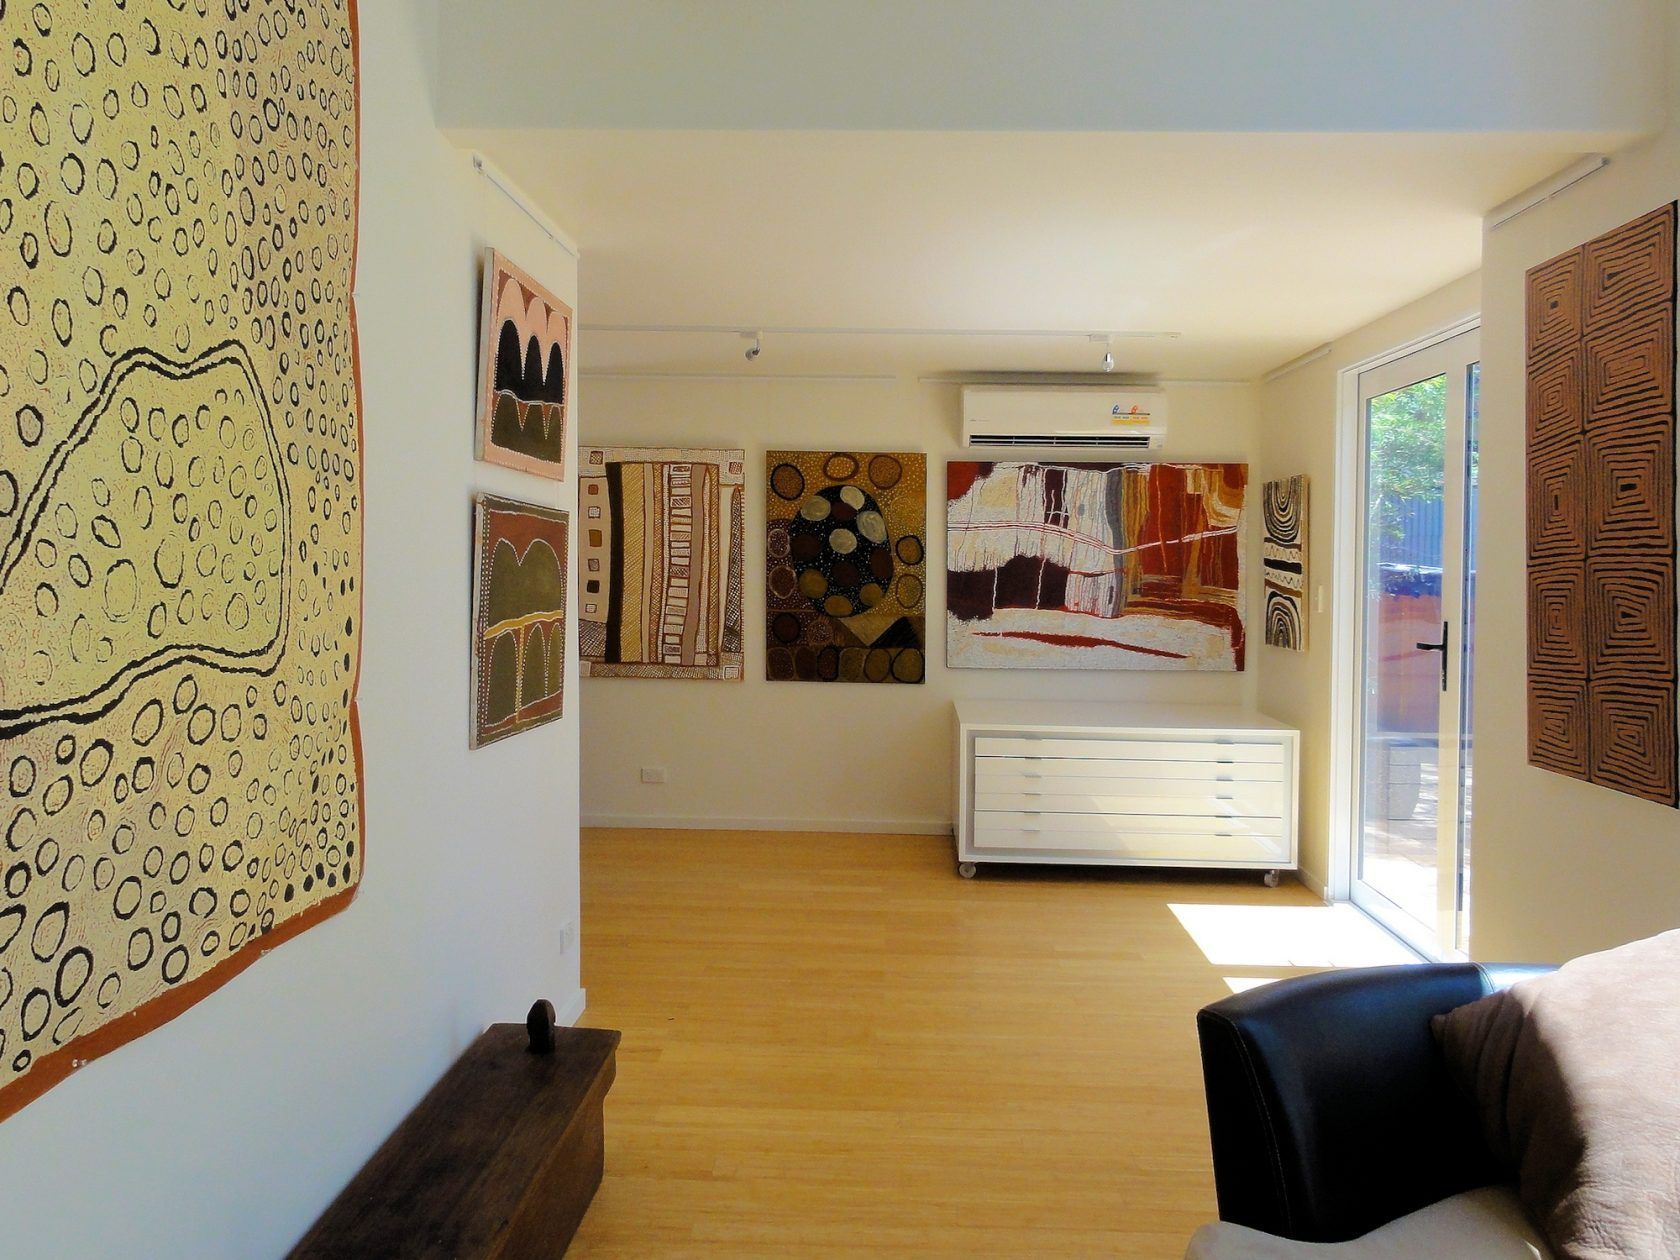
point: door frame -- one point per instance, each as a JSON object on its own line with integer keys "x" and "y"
{"x": 1346, "y": 674}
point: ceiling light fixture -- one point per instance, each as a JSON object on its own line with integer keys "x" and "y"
{"x": 757, "y": 347}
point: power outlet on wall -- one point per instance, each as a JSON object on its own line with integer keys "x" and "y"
{"x": 653, "y": 774}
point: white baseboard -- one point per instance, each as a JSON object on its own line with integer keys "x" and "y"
{"x": 1315, "y": 884}
{"x": 870, "y": 826}
{"x": 571, "y": 1010}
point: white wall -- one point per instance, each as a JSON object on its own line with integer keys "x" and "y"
{"x": 1297, "y": 434}
{"x": 224, "y": 1133}
{"x": 1559, "y": 867}
{"x": 822, "y": 756}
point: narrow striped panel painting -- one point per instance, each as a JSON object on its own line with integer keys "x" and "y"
{"x": 1094, "y": 566}
{"x": 661, "y": 559}
{"x": 1283, "y": 555}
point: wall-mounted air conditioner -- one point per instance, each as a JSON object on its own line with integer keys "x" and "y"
{"x": 1130, "y": 418}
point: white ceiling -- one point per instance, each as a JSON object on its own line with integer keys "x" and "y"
{"x": 1255, "y": 178}
{"x": 1252, "y": 248}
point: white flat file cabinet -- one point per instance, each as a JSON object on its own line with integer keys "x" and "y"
{"x": 1125, "y": 785}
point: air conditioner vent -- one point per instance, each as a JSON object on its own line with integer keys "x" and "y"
{"x": 1105, "y": 441}
{"x": 1092, "y": 417}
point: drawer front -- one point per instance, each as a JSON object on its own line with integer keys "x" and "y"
{"x": 1082, "y": 796}
{"x": 1121, "y": 824}
{"x": 1007, "y": 773}
{"x": 1217, "y": 752}
{"x": 1206, "y": 845}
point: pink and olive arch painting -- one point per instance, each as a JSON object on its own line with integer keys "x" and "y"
{"x": 1094, "y": 565}
{"x": 525, "y": 354}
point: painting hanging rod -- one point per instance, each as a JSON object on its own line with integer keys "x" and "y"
{"x": 1544, "y": 191}
{"x": 511, "y": 191}
{"x": 772, "y": 330}
{"x": 1299, "y": 361}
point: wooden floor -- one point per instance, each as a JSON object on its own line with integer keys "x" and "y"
{"x": 834, "y": 1046}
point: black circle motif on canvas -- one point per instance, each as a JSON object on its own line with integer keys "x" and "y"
{"x": 840, "y": 551}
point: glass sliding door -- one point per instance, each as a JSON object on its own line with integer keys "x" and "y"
{"x": 1417, "y": 483}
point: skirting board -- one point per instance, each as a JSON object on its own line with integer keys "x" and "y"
{"x": 571, "y": 1010}
{"x": 869, "y": 826}
{"x": 1320, "y": 888}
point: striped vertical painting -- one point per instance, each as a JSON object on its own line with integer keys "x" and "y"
{"x": 1283, "y": 557}
{"x": 1094, "y": 566}
{"x": 661, "y": 557}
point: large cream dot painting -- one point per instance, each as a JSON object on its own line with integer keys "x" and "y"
{"x": 180, "y": 507}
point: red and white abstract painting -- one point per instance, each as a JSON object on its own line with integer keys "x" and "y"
{"x": 1094, "y": 565}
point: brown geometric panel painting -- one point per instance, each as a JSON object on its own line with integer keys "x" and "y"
{"x": 1601, "y": 535}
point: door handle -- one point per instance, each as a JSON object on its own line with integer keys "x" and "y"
{"x": 1440, "y": 647}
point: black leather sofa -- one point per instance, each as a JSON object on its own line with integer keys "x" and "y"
{"x": 1330, "y": 1106}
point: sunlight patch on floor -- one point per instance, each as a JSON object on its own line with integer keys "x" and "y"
{"x": 1242, "y": 984}
{"x": 1288, "y": 937}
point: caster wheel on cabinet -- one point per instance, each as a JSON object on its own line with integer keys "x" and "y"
{"x": 966, "y": 869}
{"x": 1271, "y": 878}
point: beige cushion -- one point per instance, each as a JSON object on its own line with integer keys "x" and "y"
{"x": 1487, "y": 1224}
{"x": 1573, "y": 1077}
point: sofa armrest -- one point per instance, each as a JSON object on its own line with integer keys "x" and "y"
{"x": 1329, "y": 1105}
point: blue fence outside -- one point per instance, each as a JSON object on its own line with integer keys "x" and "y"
{"x": 1412, "y": 533}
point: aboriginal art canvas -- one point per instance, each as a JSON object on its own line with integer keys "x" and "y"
{"x": 661, "y": 562}
{"x": 847, "y": 559}
{"x": 1601, "y": 547}
{"x": 1094, "y": 566}
{"x": 524, "y": 355}
{"x": 1283, "y": 556}
{"x": 180, "y": 509}
{"x": 519, "y": 617}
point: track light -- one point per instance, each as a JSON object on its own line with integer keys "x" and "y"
{"x": 1106, "y": 341}
{"x": 756, "y": 349}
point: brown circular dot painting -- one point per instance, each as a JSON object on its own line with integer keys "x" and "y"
{"x": 850, "y": 574}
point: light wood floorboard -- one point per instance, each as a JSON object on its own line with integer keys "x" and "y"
{"x": 833, "y": 1046}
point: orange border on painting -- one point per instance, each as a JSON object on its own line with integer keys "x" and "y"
{"x": 51, "y": 1069}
